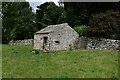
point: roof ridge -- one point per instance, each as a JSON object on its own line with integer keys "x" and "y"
{"x": 51, "y": 28}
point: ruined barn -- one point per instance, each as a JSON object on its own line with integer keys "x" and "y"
{"x": 56, "y": 37}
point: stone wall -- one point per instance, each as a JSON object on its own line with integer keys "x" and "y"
{"x": 102, "y": 44}
{"x": 21, "y": 42}
{"x": 83, "y": 43}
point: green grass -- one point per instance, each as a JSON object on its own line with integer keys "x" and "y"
{"x": 0, "y": 61}
{"x": 20, "y": 62}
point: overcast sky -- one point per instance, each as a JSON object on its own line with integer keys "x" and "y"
{"x": 34, "y": 3}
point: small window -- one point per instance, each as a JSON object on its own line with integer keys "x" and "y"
{"x": 57, "y": 42}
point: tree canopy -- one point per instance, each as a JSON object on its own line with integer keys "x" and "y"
{"x": 105, "y": 25}
{"x": 102, "y": 18}
{"x": 18, "y": 21}
{"x": 49, "y": 14}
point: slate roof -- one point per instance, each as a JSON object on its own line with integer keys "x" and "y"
{"x": 51, "y": 28}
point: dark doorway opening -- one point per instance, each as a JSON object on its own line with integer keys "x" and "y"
{"x": 45, "y": 40}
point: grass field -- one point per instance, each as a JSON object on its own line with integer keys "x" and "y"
{"x": 20, "y": 62}
{"x": 0, "y": 61}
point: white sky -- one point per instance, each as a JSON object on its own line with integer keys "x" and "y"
{"x": 34, "y": 3}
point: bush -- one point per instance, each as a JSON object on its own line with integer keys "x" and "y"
{"x": 81, "y": 29}
{"x": 105, "y": 25}
{"x": 35, "y": 51}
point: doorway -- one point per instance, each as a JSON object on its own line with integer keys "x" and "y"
{"x": 45, "y": 42}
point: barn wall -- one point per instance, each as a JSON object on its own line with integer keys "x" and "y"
{"x": 66, "y": 38}
{"x": 38, "y": 41}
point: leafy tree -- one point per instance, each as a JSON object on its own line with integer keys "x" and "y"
{"x": 0, "y": 21}
{"x": 79, "y": 19}
{"x": 62, "y": 17}
{"x": 105, "y": 25}
{"x": 18, "y": 21}
{"x": 79, "y": 13}
{"x": 48, "y": 13}
{"x": 91, "y": 8}
{"x": 76, "y": 13}
{"x": 81, "y": 30}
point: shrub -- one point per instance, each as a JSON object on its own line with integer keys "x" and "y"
{"x": 35, "y": 51}
{"x": 81, "y": 29}
{"x": 105, "y": 25}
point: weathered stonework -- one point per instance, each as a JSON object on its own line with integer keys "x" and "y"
{"x": 79, "y": 43}
{"x": 56, "y": 37}
{"x": 21, "y": 42}
{"x": 102, "y": 44}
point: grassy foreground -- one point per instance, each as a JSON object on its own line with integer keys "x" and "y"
{"x": 20, "y": 62}
{"x": 0, "y": 61}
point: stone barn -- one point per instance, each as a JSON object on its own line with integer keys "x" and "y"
{"x": 56, "y": 37}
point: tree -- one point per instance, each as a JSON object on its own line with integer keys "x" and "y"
{"x": 18, "y": 21}
{"x": 74, "y": 19}
{"x": 81, "y": 30}
{"x": 49, "y": 14}
{"x": 105, "y": 25}
{"x": 91, "y": 8}
{"x": 79, "y": 13}
{"x": 0, "y": 21}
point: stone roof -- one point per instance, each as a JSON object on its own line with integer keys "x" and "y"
{"x": 51, "y": 28}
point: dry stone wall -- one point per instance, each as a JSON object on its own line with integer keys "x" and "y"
{"x": 83, "y": 43}
{"x": 102, "y": 44}
{"x": 21, "y": 42}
